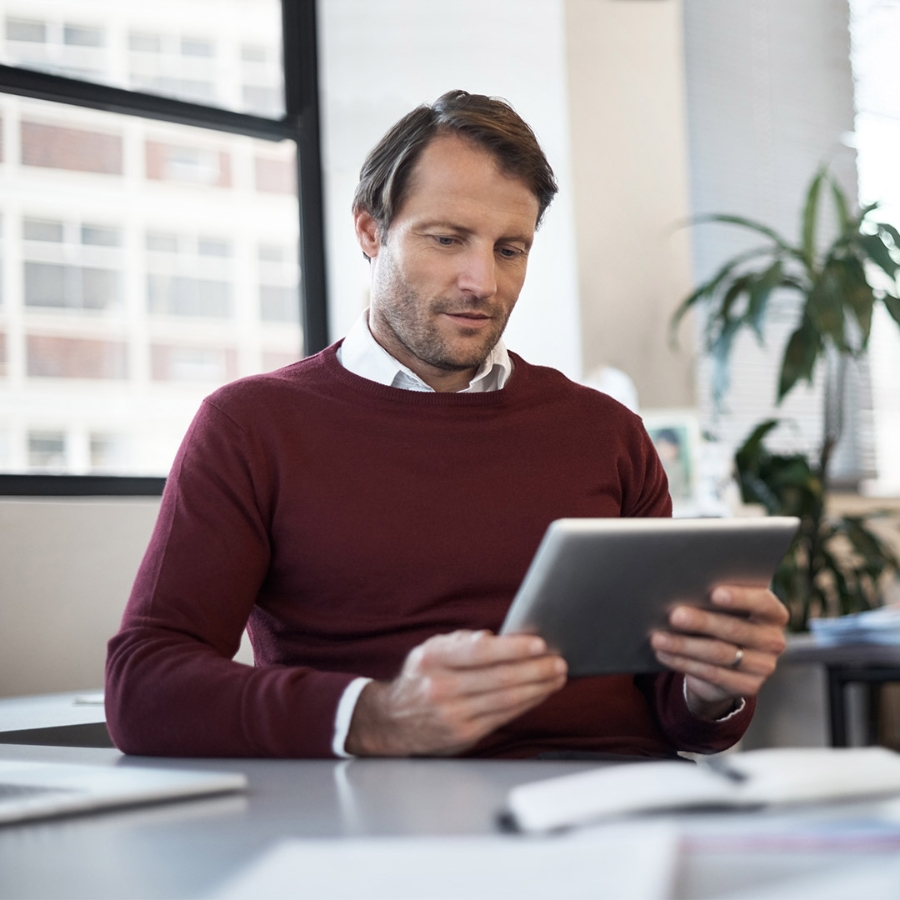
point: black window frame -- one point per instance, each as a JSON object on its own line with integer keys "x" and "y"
{"x": 300, "y": 123}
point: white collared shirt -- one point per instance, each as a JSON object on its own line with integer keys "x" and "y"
{"x": 362, "y": 355}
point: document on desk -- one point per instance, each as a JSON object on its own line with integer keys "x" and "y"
{"x": 739, "y": 780}
{"x": 632, "y": 862}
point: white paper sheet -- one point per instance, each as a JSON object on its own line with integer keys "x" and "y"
{"x": 628, "y": 862}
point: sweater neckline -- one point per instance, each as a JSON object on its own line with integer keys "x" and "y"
{"x": 332, "y": 365}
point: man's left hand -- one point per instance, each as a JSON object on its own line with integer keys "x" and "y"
{"x": 726, "y": 655}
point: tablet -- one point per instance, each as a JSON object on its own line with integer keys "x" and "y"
{"x": 597, "y": 587}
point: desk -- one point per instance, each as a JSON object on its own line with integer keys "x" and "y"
{"x": 869, "y": 664}
{"x": 192, "y": 849}
{"x": 76, "y": 719}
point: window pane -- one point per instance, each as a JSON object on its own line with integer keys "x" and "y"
{"x": 232, "y": 61}
{"x": 137, "y": 288}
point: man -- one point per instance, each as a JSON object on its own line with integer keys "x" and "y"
{"x": 369, "y": 512}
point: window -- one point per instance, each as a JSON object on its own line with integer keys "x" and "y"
{"x": 75, "y": 149}
{"x": 71, "y": 266}
{"x": 152, "y": 247}
{"x": 134, "y": 46}
{"x": 278, "y": 287}
{"x": 47, "y": 451}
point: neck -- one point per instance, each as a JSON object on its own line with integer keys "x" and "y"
{"x": 444, "y": 381}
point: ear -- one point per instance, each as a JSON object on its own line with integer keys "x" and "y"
{"x": 368, "y": 233}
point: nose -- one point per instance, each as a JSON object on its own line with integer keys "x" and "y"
{"x": 478, "y": 275}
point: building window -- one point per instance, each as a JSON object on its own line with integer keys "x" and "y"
{"x": 188, "y": 165}
{"x": 47, "y": 451}
{"x": 276, "y": 176}
{"x": 278, "y": 287}
{"x": 189, "y": 276}
{"x": 26, "y": 31}
{"x": 58, "y": 147}
{"x": 108, "y": 453}
{"x": 67, "y": 47}
{"x": 70, "y": 266}
{"x": 205, "y": 365}
{"x": 65, "y": 357}
{"x": 133, "y": 296}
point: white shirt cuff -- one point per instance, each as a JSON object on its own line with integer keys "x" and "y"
{"x": 724, "y": 718}
{"x": 344, "y": 716}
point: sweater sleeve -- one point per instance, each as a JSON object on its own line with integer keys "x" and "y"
{"x": 172, "y": 687}
{"x": 665, "y": 693}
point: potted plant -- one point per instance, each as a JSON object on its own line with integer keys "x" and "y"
{"x": 835, "y": 564}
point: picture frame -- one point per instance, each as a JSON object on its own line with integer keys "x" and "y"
{"x": 676, "y": 435}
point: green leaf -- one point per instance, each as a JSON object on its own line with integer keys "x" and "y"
{"x": 879, "y": 253}
{"x": 720, "y": 348}
{"x": 759, "y": 297}
{"x": 736, "y": 288}
{"x": 867, "y": 543}
{"x": 893, "y": 306}
{"x": 709, "y": 287}
{"x": 863, "y": 214}
{"x": 893, "y": 232}
{"x": 810, "y": 219}
{"x": 800, "y": 357}
{"x": 752, "y": 226}
{"x": 857, "y": 294}
{"x": 825, "y": 308}
{"x": 751, "y": 447}
{"x": 840, "y": 204}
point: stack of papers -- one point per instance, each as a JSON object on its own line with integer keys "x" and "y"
{"x": 625, "y": 862}
{"x": 875, "y": 626}
{"x": 738, "y": 780}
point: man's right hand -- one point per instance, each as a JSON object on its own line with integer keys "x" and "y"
{"x": 452, "y": 691}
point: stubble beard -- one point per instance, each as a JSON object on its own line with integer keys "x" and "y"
{"x": 410, "y": 319}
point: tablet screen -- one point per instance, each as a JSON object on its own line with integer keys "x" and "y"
{"x": 596, "y": 588}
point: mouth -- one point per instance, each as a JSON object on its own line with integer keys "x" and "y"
{"x": 469, "y": 319}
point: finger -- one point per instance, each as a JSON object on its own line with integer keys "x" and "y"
{"x": 497, "y": 678}
{"x": 759, "y": 604}
{"x": 505, "y": 703}
{"x": 733, "y": 682}
{"x": 476, "y": 649}
{"x": 741, "y": 632}
{"x": 714, "y": 652}
{"x": 472, "y": 723}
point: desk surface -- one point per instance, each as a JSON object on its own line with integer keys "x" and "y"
{"x": 192, "y": 849}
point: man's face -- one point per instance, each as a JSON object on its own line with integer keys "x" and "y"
{"x": 448, "y": 273}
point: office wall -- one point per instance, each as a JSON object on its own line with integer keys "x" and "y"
{"x": 601, "y": 82}
{"x": 379, "y": 61}
{"x": 66, "y": 568}
{"x": 770, "y": 99}
{"x": 629, "y": 162}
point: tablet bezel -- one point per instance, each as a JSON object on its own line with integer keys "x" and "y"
{"x": 596, "y": 588}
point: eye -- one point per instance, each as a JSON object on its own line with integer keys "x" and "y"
{"x": 444, "y": 240}
{"x": 511, "y": 252}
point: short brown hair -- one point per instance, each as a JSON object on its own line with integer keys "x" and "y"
{"x": 489, "y": 122}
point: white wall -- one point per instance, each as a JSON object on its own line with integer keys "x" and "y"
{"x": 629, "y": 148}
{"x": 380, "y": 60}
{"x": 66, "y": 569}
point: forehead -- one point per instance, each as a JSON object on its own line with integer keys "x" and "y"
{"x": 453, "y": 173}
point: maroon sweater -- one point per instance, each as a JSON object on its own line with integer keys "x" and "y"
{"x": 344, "y": 522}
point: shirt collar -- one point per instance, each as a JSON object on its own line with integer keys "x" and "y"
{"x": 362, "y": 355}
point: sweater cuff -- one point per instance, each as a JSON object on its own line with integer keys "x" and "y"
{"x": 344, "y": 716}
{"x": 737, "y": 709}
